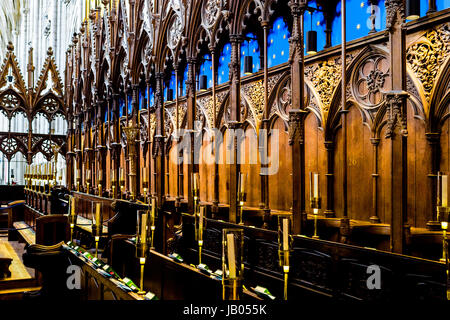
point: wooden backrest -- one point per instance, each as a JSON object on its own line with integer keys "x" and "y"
{"x": 52, "y": 229}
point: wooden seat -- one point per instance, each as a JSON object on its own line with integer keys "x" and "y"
{"x": 5, "y": 262}
{"x": 25, "y": 232}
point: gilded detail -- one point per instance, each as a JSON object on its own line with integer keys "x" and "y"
{"x": 325, "y": 80}
{"x": 426, "y": 56}
{"x": 255, "y": 93}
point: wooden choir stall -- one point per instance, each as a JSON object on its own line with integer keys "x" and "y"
{"x": 252, "y": 150}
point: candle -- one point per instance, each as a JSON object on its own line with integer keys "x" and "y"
{"x": 122, "y": 175}
{"x": 310, "y": 185}
{"x": 202, "y": 214}
{"x": 100, "y": 175}
{"x": 231, "y": 256}
{"x": 144, "y": 218}
{"x": 195, "y": 181}
{"x": 242, "y": 182}
{"x": 153, "y": 208}
{"x": 438, "y": 194}
{"x": 316, "y": 185}
{"x": 97, "y": 214}
{"x": 444, "y": 190}
{"x": 285, "y": 234}
{"x": 72, "y": 206}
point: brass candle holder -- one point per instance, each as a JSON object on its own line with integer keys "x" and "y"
{"x": 242, "y": 197}
{"x": 232, "y": 263}
{"x": 315, "y": 200}
{"x": 72, "y": 216}
{"x": 284, "y": 247}
{"x": 121, "y": 182}
{"x": 142, "y": 240}
{"x": 199, "y": 231}
{"x": 443, "y": 215}
{"x": 153, "y": 221}
{"x": 97, "y": 224}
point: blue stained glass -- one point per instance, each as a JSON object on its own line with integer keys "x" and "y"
{"x": 206, "y": 69}
{"x": 182, "y": 82}
{"x": 171, "y": 86}
{"x": 358, "y": 22}
{"x": 251, "y": 48}
{"x": 315, "y": 22}
{"x": 442, "y": 4}
{"x": 130, "y": 106}
{"x": 106, "y": 117}
{"x": 278, "y": 43}
{"x": 151, "y": 101}
{"x": 141, "y": 99}
{"x": 121, "y": 106}
{"x": 224, "y": 61}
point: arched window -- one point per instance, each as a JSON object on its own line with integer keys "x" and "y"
{"x": 12, "y": 170}
{"x": 142, "y": 98}
{"x": 278, "y": 46}
{"x": 59, "y": 124}
{"x": 129, "y": 104}
{"x": 19, "y": 122}
{"x": 121, "y": 106}
{"x": 170, "y": 86}
{"x": 40, "y": 124}
{"x": 151, "y": 101}
{"x": 206, "y": 70}
{"x": 182, "y": 82}
{"x": 224, "y": 61}
{"x": 250, "y": 47}
{"x": 4, "y": 122}
{"x": 359, "y": 19}
{"x": 442, "y": 4}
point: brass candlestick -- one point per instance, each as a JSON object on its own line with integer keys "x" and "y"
{"x": 72, "y": 217}
{"x": 315, "y": 201}
{"x": 152, "y": 222}
{"x": 284, "y": 246}
{"x": 100, "y": 192}
{"x": 232, "y": 263}
{"x": 200, "y": 227}
{"x": 443, "y": 215}
{"x": 242, "y": 196}
{"x": 142, "y": 238}
{"x": 97, "y": 224}
{"x": 315, "y": 205}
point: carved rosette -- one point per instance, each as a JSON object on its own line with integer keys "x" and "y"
{"x": 396, "y": 113}
{"x": 370, "y": 82}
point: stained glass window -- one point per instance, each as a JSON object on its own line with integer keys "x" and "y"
{"x": 129, "y": 105}
{"x": 278, "y": 43}
{"x": 182, "y": 82}
{"x": 250, "y": 47}
{"x": 206, "y": 69}
{"x": 359, "y": 20}
{"x": 170, "y": 85}
{"x": 151, "y": 101}
{"x": 121, "y": 106}
{"x": 224, "y": 61}
{"x": 315, "y": 21}
{"x": 442, "y": 4}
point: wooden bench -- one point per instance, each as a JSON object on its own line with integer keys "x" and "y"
{"x": 5, "y": 262}
{"x": 25, "y": 231}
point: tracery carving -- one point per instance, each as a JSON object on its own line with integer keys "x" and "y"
{"x": 370, "y": 83}
{"x": 426, "y": 56}
{"x": 325, "y": 79}
{"x": 255, "y": 93}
